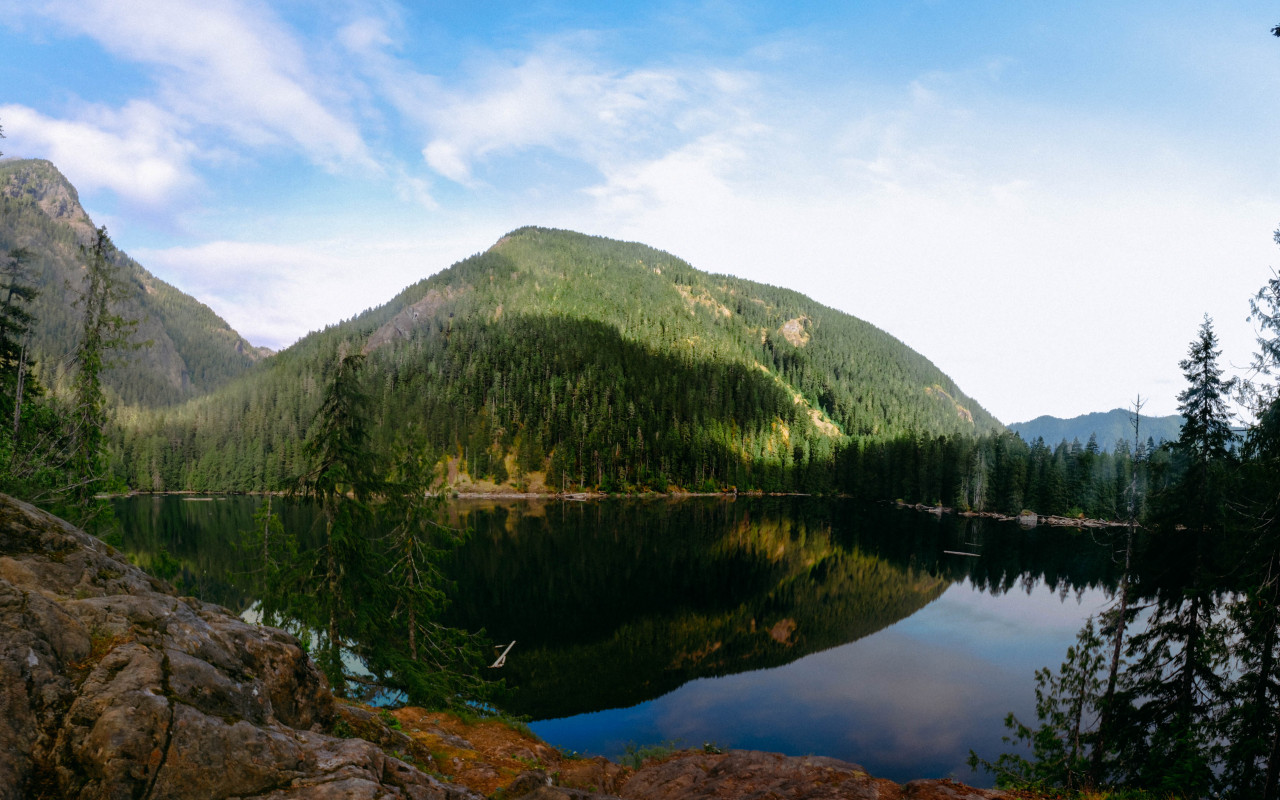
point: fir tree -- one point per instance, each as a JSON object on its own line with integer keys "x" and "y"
{"x": 342, "y": 480}
{"x": 1251, "y": 726}
{"x": 15, "y": 335}
{"x": 104, "y": 330}
{"x": 1177, "y": 676}
{"x": 435, "y": 665}
{"x": 1067, "y": 708}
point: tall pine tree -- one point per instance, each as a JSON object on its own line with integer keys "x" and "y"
{"x": 1176, "y": 677}
{"x": 342, "y": 480}
{"x": 1251, "y": 726}
{"x": 104, "y": 330}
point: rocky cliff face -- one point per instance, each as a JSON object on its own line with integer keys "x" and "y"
{"x": 113, "y": 687}
{"x": 191, "y": 349}
{"x": 42, "y": 183}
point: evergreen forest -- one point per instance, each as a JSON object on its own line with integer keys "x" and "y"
{"x": 1174, "y": 690}
{"x": 576, "y": 363}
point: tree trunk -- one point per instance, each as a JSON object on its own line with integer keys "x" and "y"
{"x": 335, "y": 646}
{"x": 1190, "y": 653}
{"x": 17, "y": 397}
{"x": 413, "y": 618}
{"x": 1265, "y": 669}
{"x": 1273, "y": 767}
{"x": 1107, "y": 718}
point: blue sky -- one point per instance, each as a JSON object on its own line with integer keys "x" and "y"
{"x": 1044, "y": 198}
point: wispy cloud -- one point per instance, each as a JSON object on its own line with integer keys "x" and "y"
{"x": 226, "y": 65}
{"x": 273, "y": 293}
{"x": 138, "y": 152}
{"x": 959, "y": 223}
{"x": 560, "y": 97}
{"x": 1064, "y": 180}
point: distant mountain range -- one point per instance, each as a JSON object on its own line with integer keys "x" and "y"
{"x": 192, "y": 350}
{"x": 1109, "y": 426}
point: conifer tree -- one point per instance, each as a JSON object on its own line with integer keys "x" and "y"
{"x": 341, "y": 480}
{"x": 435, "y": 665}
{"x": 1177, "y": 674}
{"x": 273, "y": 551}
{"x": 1251, "y": 726}
{"x": 104, "y": 330}
{"x": 1112, "y": 706}
{"x": 15, "y": 327}
{"x": 1067, "y": 705}
{"x": 1251, "y": 723}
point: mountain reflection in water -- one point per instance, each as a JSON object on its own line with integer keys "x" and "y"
{"x": 799, "y": 625}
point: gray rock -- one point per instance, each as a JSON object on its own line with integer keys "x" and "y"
{"x": 748, "y": 774}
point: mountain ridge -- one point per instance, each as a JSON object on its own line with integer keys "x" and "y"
{"x": 698, "y": 293}
{"x": 560, "y": 359}
{"x": 192, "y": 350}
{"x": 1108, "y": 426}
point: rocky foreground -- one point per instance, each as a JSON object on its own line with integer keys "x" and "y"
{"x": 111, "y": 686}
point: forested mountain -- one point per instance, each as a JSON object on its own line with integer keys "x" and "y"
{"x": 576, "y": 362}
{"x": 191, "y": 349}
{"x": 1109, "y": 427}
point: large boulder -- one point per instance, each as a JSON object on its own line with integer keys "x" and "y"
{"x": 111, "y": 686}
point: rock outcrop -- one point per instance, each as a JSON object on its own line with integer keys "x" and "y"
{"x": 751, "y": 774}
{"x": 43, "y": 184}
{"x": 495, "y": 759}
{"x": 403, "y": 324}
{"x": 112, "y": 687}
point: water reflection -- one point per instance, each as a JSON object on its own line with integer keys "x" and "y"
{"x": 906, "y": 702}
{"x": 790, "y": 624}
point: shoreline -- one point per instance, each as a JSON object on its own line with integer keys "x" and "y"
{"x": 461, "y": 495}
{"x": 1030, "y": 520}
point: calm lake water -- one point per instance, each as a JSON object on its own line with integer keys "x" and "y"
{"x": 887, "y": 637}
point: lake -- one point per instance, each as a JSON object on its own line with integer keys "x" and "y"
{"x": 892, "y": 638}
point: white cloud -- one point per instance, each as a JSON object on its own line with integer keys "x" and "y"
{"x": 224, "y": 64}
{"x": 137, "y": 152}
{"x": 1050, "y": 265}
{"x": 273, "y": 293}
{"x": 367, "y": 34}
{"x": 411, "y": 189}
{"x": 556, "y": 98}
{"x": 990, "y": 235}
{"x": 447, "y": 159}
{"x": 992, "y": 232}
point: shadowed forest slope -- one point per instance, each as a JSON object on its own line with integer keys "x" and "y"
{"x": 569, "y": 361}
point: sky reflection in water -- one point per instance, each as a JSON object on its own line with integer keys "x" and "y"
{"x": 907, "y": 702}
{"x": 614, "y": 602}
